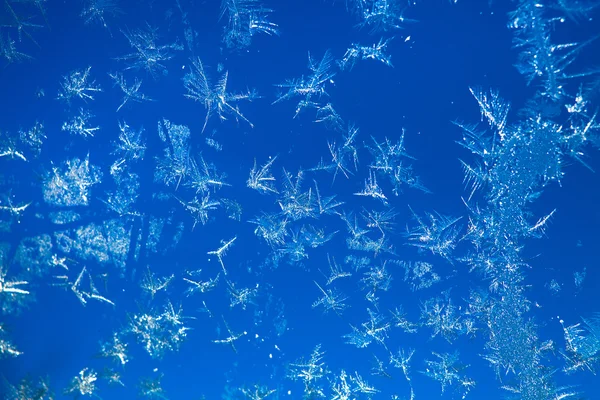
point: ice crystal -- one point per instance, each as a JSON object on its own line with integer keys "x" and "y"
{"x": 80, "y": 124}
{"x": 84, "y": 384}
{"x": 311, "y": 372}
{"x": 130, "y": 93}
{"x": 312, "y": 88}
{"x": 245, "y": 18}
{"x": 78, "y": 84}
{"x": 215, "y": 98}
{"x": 147, "y": 53}
{"x": 70, "y": 184}
{"x": 159, "y": 332}
{"x": 447, "y": 370}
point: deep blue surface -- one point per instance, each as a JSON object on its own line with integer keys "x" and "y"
{"x": 451, "y": 48}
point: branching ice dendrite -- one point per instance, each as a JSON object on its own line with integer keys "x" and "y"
{"x": 272, "y": 228}
{"x": 241, "y": 297}
{"x": 201, "y": 286}
{"x": 10, "y": 149}
{"x": 400, "y": 321}
{"x": 443, "y": 318}
{"x": 377, "y": 278}
{"x": 130, "y": 93}
{"x": 153, "y": 285}
{"x": 70, "y": 184}
{"x": 262, "y": 179}
{"x": 439, "y": 236}
{"x": 374, "y": 52}
{"x": 175, "y": 165}
{"x": 159, "y": 332}
{"x": 419, "y": 274}
{"x": 327, "y": 115}
{"x": 13, "y": 210}
{"x": 8, "y": 50}
{"x": 342, "y": 155}
{"x": 373, "y": 190}
{"x": 78, "y": 84}
{"x": 335, "y": 271}
{"x": 129, "y": 147}
{"x": 147, "y": 53}
{"x": 215, "y": 99}
{"x": 381, "y": 220}
{"x": 152, "y": 388}
{"x": 222, "y": 251}
{"x": 258, "y": 392}
{"x": 332, "y": 300}
{"x": 7, "y": 349}
{"x": 232, "y": 338}
{"x": 327, "y": 205}
{"x": 80, "y": 124}
{"x": 447, "y": 370}
{"x": 84, "y": 384}
{"x": 245, "y": 18}
{"x": 11, "y": 287}
{"x": 199, "y": 208}
{"x": 90, "y": 293}
{"x": 310, "y": 372}
{"x": 401, "y": 361}
{"x": 362, "y": 387}
{"x": 310, "y": 88}
{"x": 203, "y": 176}
{"x": 295, "y": 203}
{"x": 376, "y": 328}
{"x": 382, "y": 15}
{"x": 582, "y": 345}
{"x": 95, "y": 11}
{"x": 116, "y": 349}
{"x": 392, "y": 162}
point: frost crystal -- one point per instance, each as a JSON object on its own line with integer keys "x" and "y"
{"x": 374, "y": 52}
{"x": 146, "y": 52}
{"x": 419, "y": 274}
{"x": 245, "y": 18}
{"x": 312, "y": 88}
{"x": 7, "y": 349}
{"x": 116, "y": 349}
{"x": 84, "y": 384}
{"x": 152, "y": 389}
{"x": 442, "y": 318}
{"x": 153, "y": 284}
{"x": 376, "y": 328}
{"x": 130, "y": 93}
{"x": 331, "y": 301}
{"x": 129, "y": 147}
{"x": 222, "y": 251}
{"x": 96, "y": 11}
{"x": 70, "y": 184}
{"x": 439, "y": 235}
{"x": 80, "y": 124}
{"x": 582, "y": 345}
{"x": 216, "y": 99}
{"x": 262, "y": 179}
{"x": 78, "y": 84}
{"x": 175, "y": 165}
{"x": 232, "y": 338}
{"x": 310, "y": 372}
{"x": 159, "y": 332}
{"x": 447, "y": 370}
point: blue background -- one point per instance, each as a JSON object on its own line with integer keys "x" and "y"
{"x": 452, "y": 47}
